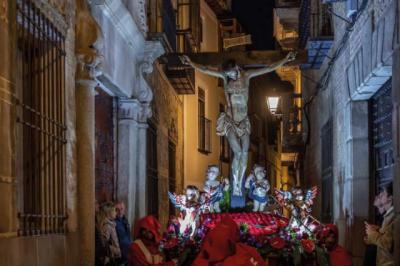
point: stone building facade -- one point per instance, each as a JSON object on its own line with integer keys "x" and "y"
{"x": 21, "y": 239}
{"x": 167, "y": 126}
{"x": 75, "y": 101}
{"x": 351, "y": 121}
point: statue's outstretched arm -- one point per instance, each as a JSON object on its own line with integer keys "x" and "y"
{"x": 203, "y": 69}
{"x": 257, "y": 72}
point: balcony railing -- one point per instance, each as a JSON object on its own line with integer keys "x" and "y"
{"x": 292, "y": 125}
{"x": 181, "y": 34}
{"x": 189, "y": 21}
{"x": 204, "y": 143}
{"x": 316, "y": 33}
{"x": 162, "y": 22}
{"x": 221, "y": 8}
{"x": 229, "y": 28}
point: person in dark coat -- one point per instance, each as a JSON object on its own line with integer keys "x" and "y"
{"x": 123, "y": 231}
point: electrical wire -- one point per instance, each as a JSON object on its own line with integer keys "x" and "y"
{"x": 322, "y": 84}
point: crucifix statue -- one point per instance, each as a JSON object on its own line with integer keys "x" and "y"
{"x": 235, "y": 123}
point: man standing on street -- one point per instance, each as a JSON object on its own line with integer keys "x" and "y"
{"x": 123, "y": 231}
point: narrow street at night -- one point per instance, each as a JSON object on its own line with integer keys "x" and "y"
{"x": 200, "y": 132}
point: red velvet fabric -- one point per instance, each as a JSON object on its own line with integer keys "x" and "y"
{"x": 219, "y": 242}
{"x": 220, "y": 248}
{"x": 245, "y": 256}
{"x": 137, "y": 258}
{"x": 339, "y": 256}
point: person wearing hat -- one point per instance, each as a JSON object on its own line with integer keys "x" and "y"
{"x": 220, "y": 248}
{"x": 337, "y": 254}
{"x": 144, "y": 251}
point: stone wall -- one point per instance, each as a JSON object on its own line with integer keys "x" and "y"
{"x": 357, "y": 73}
{"x": 33, "y": 250}
{"x": 168, "y": 118}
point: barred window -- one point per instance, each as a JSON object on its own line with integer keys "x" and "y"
{"x": 41, "y": 120}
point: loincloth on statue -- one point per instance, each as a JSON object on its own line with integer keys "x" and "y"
{"x": 225, "y": 124}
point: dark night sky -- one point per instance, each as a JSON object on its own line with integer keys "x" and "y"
{"x": 256, "y": 17}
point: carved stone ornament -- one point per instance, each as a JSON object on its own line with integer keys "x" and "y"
{"x": 89, "y": 40}
{"x": 128, "y": 109}
{"x": 140, "y": 16}
{"x": 145, "y": 95}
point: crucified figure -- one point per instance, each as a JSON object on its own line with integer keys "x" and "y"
{"x": 234, "y": 123}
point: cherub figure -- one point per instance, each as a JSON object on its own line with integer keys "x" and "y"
{"x": 213, "y": 188}
{"x": 189, "y": 206}
{"x": 299, "y": 204}
{"x": 258, "y": 187}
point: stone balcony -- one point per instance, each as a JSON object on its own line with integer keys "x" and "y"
{"x": 286, "y": 27}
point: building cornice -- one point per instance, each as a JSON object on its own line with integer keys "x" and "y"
{"x": 132, "y": 30}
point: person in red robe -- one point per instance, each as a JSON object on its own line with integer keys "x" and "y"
{"x": 220, "y": 248}
{"x": 144, "y": 251}
{"x": 337, "y": 254}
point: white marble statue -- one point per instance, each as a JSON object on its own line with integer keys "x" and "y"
{"x": 235, "y": 123}
{"x": 213, "y": 188}
{"x": 258, "y": 187}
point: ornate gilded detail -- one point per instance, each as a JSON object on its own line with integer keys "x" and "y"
{"x": 3, "y": 11}
{"x": 89, "y": 41}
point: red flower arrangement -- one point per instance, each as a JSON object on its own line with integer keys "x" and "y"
{"x": 277, "y": 243}
{"x": 308, "y": 245}
{"x": 171, "y": 243}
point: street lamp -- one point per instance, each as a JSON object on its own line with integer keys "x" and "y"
{"x": 272, "y": 104}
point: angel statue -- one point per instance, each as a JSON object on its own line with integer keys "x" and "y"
{"x": 214, "y": 189}
{"x": 190, "y": 206}
{"x": 299, "y": 204}
{"x": 234, "y": 123}
{"x": 258, "y": 187}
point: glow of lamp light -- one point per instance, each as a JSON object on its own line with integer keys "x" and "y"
{"x": 272, "y": 104}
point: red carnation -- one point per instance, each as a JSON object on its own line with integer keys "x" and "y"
{"x": 171, "y": 243}
{"x": 281, "y": 223}
{"x": 277, "y": 243}
{"x": 308, "y": 245}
